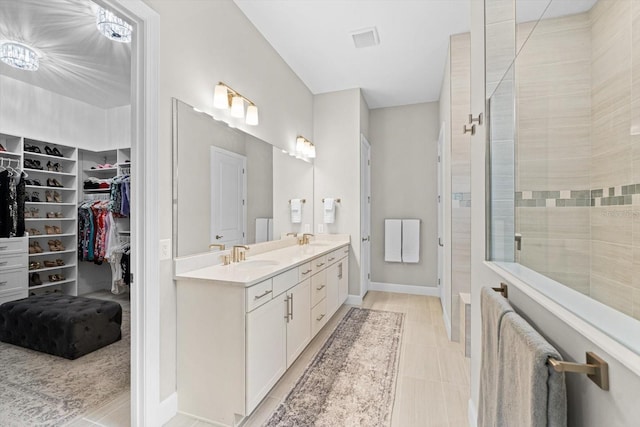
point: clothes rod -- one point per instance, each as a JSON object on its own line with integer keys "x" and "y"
{"x": 336, "y": 200}
{"x": 302, "y": 201}
{"x": 596, "y": 369}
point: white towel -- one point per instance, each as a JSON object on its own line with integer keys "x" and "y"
{"x": 411, "y": 240}
{"x": 329, "y": 210}
{"x": 393, "y": 240}
{"x": 262, "y": 230}
{"x": 296, "y": 211}
{"x": 270, "y": 229}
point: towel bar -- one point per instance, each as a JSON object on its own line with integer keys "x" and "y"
{"x": 337, "y": 200}
{"x": 503, "y": 289}
{"x": 301, "y": 201}
{"x": 596, "y": 369}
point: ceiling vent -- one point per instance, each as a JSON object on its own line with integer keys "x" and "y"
{"x": 365, "y": 37}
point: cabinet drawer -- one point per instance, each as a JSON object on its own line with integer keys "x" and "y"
{"x": 285, "y": 281}
{"x": 318, "y": 317}
{"x": 259, "y": 294}
{"x": 304, "y": 271}
{"x": 12, "y": 295}
{"x": 344, "y": 251}
{"x": 12, "y": 246}
{"x": 318, "y": 264}
{"x": 334, "y": 256}
{"x": 12, "y": 262}
{"x": 318, "y": 287}
{"x": 13, "y": 280}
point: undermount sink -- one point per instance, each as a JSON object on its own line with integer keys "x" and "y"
{"x": 255, "y": 263}
{"x": 319, "y": 244}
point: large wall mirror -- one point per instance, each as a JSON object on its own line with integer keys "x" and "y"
{"x": 231, "y": 188}
{"x": 565, "y": 151}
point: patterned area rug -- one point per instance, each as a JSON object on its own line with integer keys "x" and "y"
{"x": 352, "y": 379}
{"x": 37, "y": 389}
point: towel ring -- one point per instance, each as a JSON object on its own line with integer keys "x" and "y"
{"x": 301, "y": 201}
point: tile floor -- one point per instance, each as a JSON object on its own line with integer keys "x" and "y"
{"x": 433, "y": 379}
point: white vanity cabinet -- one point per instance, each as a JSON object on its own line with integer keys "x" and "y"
{"x": 298, "y": 323}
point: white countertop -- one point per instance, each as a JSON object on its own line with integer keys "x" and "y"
{"x": 286, "y": 258}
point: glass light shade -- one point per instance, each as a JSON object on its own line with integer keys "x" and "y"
{"x": 252, "y": 115}
{"x": 237, "y": 107}
{"x": 221, "y": 97}
{"x": 312, "y": 152}
{"x": 19, "y": 56}
{"x": 112, "y": 26}
{"x": 300, "y": 142}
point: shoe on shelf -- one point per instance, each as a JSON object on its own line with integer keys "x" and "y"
{"x": 32, "y": 249}
{"x": 52, "y": 229}
{"x": 59, "y": 262}
{"x": 55, "y": 246}
{"x": 57, "y": 197}
{"x": 56, "y": 152}
{"x": 49, "y": 196}
{"x": 35, "y": 197}
{"x": 35, "y": 212}
{"x": 32, "y": 148}
{"x": 36, "y": 246}
{"x": 50, "y": 166}
{"x": 37, "y": 182}
{"x": 34, "y": 232}
{"x": 58, "y": 214}
{"x": 48, "y": 150}
{"x": 56, "y": 277}
{"x": 52, "y": 182}
{"x": 35, "y": 265}
{"x": 50, "y": 264}
{"x": 34, "y": 280}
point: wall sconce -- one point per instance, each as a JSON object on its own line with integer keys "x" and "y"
{"x": 224, "y": 97}
{"x": 305, "y": 148}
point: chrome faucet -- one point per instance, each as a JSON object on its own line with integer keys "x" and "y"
{"x": 236, "y": 254}
{"x": 305, "y": 238}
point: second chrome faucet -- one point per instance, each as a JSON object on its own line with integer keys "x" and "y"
{"x": 237, "y": 255}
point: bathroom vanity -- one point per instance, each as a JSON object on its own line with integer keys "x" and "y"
{"x": 241, "y": 326}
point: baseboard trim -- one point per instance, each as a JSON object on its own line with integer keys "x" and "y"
{"x": 473, "y": 414}
{"x": 168, "y": 408}
{"x": 431, "y": 291}
{"x": 353, "y": 300}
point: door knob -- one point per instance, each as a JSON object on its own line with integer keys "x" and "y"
{"x": 440, "y": 242}
{"x": 218, "y": 237}
{"x": 365, "y": 239}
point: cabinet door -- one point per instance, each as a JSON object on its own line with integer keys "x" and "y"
{"x": 299, "y": 324}
{"x": 343, "y": 279}
{"x": 333, "y": 284}
{"x": 266, "y": 350}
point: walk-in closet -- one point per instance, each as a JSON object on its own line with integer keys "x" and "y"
{"x": 65, "y": 209}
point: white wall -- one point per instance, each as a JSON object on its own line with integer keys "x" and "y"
{"x": 292, "y": 179}
{"x": 201, "y": 43}
{"x": 588, "y": 405}
{"x": 337, "y": 168}
{"x": 119, "y": 127}
{"x": 404, "y": 185}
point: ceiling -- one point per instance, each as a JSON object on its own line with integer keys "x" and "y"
{"x": 313, "y": 37}
{"x": 77, "y": 61}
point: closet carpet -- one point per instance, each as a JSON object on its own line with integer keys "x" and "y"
{"x": 37, "y": 389}
{"x": 352, "y": 379}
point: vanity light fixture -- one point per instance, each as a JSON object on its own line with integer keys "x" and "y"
{"x": 225, "y": 97}
{"x": 305, "y": 148}
{"x": 19, "y": 55}
{"x": 112, "y": 26}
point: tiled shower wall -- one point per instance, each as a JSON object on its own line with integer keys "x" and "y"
{"x": 578, "y": 206}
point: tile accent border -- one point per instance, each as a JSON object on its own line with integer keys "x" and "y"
{"x": 610, "y": 196}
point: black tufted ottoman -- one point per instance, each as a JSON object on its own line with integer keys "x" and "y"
{"x": 61, "y": 325}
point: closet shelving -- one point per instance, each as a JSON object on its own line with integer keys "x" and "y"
{"x": 63, "y": 196}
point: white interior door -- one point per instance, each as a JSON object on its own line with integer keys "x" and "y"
{"x": 365, "y": 214}
{"x": 228, "y": 195}
{"x": 441, "y": 214}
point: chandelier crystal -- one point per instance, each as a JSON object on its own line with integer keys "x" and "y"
{"x": 113, "y": 27}
{"x": 19, "y": 56}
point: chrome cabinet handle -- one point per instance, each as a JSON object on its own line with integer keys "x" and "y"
{"x": 331, "y": 259}
{"x": 306, "y": 272}
{"x": 291, "y": 296}
{"x": 267, "y": 292}
{"x": 320, "y": 288}
{"x": 320, "y": 318}
{"x": 319, "y": 265}
{"x": 288, "y": 311}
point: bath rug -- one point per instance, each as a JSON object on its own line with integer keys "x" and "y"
{"x": 352, "y": 379}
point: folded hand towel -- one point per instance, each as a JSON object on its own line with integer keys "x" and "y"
{"x": 530, "y": 392}
{"x": 329, "y": 210}
{"x": 296, "y": 211}
{"x": 493, "y": 307}
{"x": 411, "y": 240}
{"x": 393, "y": 240}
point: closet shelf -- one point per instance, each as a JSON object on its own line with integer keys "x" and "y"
{"x": 49, "y": 219}
{"x": 44, "y": 187}
{"x": 48, "y": 157}
{"x": 68, "y": 251}
{"x": 9, "y": 154}
{"x": 50, "y": 236}
{"x": 49, "y": 204}
{"x": 45, "y": 172}
{"x": 57, "y": 267}
{"x": 97, "y": 190}
{"x": 124, "y": 232}
{"x": 47, "y": 284}
{"x": 111, "y": 170}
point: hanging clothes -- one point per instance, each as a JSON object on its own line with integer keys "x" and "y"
{"x": 94, "y": 225}
{"x": 120, "y": 196}
{"x": 12, "y": 202}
